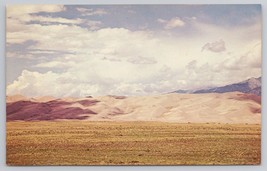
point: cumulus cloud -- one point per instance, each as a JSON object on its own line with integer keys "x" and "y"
{"x": 77, "y": 61}
{"x": 122, "y": 62}
{"x": 172, "y": 23}
{"x": 251, "y": 58}
{"x": 217, "y": 46}
{"x": 68, "y": 84}
{"x": 42, "y": 84}
{"x": 232, "y": 69}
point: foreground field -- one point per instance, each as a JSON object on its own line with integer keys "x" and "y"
{"x": 131, "y": 143}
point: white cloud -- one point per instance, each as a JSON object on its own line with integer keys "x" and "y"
{"x": 231, "y": 69}
{"x": 172, "y": 23}
{"x": 112, "y": 59}
{"x": 55, "y": 64}
{"x": 38, "y": 84}
{"x": 251, "y": 58}
{"x": 124, "y": 62}
{"x": 43, "y": 19}
{"x": 142, "y": 60}
{"x": 20, "y": 10}
{"x": 161, "y": 20}
{"x": 19, "y": 15}
{"x": 93, "y": 25}
{"x": 42, "y": 52}
{"x": 90, "y": 12}
{"x": 19, "y": 55}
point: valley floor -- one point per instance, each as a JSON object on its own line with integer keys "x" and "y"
{"x": 131, "y": 143}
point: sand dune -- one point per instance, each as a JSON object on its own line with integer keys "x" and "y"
{"x": 232, "y": 107}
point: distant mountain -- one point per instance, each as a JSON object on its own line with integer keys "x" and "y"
{"x": 252, "y": 86}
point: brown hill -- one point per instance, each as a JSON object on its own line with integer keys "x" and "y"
{"x": 49, "y": 110}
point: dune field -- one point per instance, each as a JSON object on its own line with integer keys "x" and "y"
{"x": 234, "y": 107}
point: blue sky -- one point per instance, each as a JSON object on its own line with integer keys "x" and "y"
{"x": 129, "y": 49}
{"x": 137, "y": 15}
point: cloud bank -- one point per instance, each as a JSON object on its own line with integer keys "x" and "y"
{"x": 81, "y": 56}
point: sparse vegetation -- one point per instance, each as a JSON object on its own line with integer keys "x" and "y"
{"x": 131, "y": 143}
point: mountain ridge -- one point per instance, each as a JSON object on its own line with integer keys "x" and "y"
{"x": 251, "y": 86}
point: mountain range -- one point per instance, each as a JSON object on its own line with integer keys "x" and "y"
{"x": 251, "y": 86}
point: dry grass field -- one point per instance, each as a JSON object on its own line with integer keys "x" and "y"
{"x": 131, "y": 143}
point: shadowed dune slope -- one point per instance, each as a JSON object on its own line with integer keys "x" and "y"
{"x": 50, "y": 110}
{"x": 234, "y": 107}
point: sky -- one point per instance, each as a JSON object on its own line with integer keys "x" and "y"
{"x": 131, "y": 50}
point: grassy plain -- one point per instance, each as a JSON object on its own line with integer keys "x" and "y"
{"x": 131, "y": 143}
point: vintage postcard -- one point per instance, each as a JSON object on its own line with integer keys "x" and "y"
{"x": 133, "y": 84}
